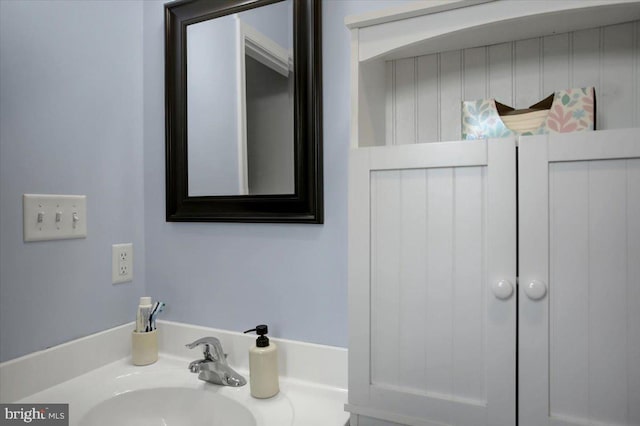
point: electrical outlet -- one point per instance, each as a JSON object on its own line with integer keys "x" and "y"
{"x": 121, "y": 263}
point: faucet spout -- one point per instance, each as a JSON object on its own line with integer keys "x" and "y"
{"x": 212, "y": 348}
{"x": 213, "y": 368}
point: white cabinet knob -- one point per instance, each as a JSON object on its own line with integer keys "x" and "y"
{"x": 535, "y": 290}
{"x": 502, "y": 289}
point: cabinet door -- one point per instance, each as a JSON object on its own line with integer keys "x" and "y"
{"x": 579, "y": 301}
{"x": 431, "y": 232}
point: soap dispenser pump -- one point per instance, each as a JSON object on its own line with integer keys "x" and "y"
{"x": 263, "y": 365}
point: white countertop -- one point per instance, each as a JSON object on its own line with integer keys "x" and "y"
{"x": 92, "y": 369}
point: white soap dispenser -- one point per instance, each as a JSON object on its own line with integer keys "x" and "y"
{"x": 263, "y": 365}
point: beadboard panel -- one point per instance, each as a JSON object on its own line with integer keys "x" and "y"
{"x": 594, "y": 303}
{"x": 579, "y": 234}
{"x": 432, "y": 230}
{"x": 427, "y": 312}
{"x": 424, "y": 93}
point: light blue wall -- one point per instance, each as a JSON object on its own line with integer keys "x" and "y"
{"x": 70, "y": 122}
{"x": 82, "y": 112}
{"x": 234, "y": 276}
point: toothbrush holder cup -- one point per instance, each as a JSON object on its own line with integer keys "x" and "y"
{"x": 144, "y": 347}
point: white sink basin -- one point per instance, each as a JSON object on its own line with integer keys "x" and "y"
{"x": 174, "y": 406}
{"x": 167, "y": 394}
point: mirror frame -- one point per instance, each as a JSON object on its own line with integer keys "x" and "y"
{"x": 305, "y": 205}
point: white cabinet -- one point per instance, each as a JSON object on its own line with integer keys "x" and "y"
{"x": 439, "y": 232}
{"x": 412, "y": 66}
{"x": 432, "y": 232}
{"x": 579, "y": 235}
{"x": 432, "y": 227}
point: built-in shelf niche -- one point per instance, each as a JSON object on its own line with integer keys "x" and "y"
{"x": 411, "y": 93}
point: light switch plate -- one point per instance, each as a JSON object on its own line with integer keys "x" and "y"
{"x": 54, "y": 217}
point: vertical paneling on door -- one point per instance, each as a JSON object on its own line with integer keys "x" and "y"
{"x": 433, "y": 344}
{"x": 580, "y": 236}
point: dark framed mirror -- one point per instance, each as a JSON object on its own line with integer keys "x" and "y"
{"x": 243, "y": 102}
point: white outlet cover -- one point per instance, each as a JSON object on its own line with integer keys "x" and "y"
{"x": 121, "y": 263}
{"x": 54, "y": 217}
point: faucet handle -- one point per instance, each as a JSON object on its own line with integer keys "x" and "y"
{"x": 212, "y": 349}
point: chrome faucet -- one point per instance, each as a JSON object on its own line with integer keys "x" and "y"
{"x": 213, "y": 368}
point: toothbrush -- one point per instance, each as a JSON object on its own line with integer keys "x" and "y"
{"x": 149, "y": 317}
{"x": 159, "y": 307}
{"x": 155, "y": 314}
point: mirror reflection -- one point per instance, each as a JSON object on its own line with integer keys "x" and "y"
{"x": 240, "y": 92}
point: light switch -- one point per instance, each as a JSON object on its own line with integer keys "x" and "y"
{"x": 54, "y": 217}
